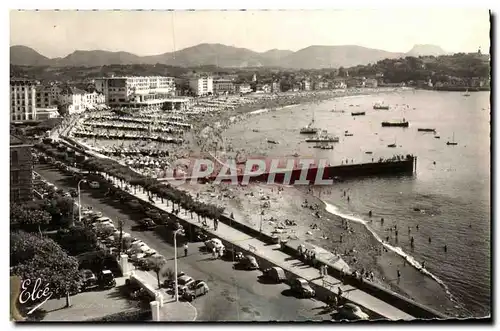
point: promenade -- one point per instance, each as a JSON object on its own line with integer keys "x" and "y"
{"x": 288, "y": 263}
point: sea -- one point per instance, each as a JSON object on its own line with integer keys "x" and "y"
{"x": 448, "y": 197}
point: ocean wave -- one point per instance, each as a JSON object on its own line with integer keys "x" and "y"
{"x": 398, "y": 250}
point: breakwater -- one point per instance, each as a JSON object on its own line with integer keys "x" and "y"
{"x": 316, "y": 174}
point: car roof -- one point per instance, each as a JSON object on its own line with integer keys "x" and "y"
{"x": 351, "y": 306}
{"x": 106, "y": 272}
{"x": 185, "y": 277}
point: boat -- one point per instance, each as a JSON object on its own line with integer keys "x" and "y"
{"x": 368, "y": 152}
{"x": 272, "y": 141}
{"x": 437, "y": 137}
{"x": 403, "y": 124}
{"x": 393, "y": 145}
{"x": 309, "y": 129}
{"x": 426, "y": 130}
{"x": 323, "y": 137}
{"x": 466, "y": 94}
{"x": 452, "y": 142}
{"x": 380, "y": 106}
{"x": 360, "y": 113}
{"x": 323, "y": 146}
{"x": 348, "y": 134}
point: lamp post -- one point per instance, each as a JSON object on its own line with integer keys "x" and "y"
{"x": 79, "y": 200}
{"x": 181, "y": 231}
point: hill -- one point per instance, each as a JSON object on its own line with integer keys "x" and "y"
{"x": 426, "y": 50}
{"x": 223, "y": 56}
{"x": 319, "y": 57}
{"x": 22, "y": 55}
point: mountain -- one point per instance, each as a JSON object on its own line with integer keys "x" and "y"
{"x": 312, "y": 57}
{"x": 22, "y": 55}
{"x": 96, "y": 58}
{"x": 421, "y": 50}
{"x": 335, "y": 57}
{"x": 209, "y": 54}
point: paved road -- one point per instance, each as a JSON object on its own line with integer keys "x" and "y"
{"x": 234, "y": 294}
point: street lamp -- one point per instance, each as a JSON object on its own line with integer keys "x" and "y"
{"x": 79, "y": 200}
{"x": 181, "y": 232}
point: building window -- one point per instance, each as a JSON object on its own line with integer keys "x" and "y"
{"x": 14, "y": 177}
{"x": 14, "y": 157}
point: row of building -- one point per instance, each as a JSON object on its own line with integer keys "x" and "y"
{"x": 31, "y": 100}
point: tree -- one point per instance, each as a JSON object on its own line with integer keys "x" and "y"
{"x": 156, "y": 264}
{"x": 77, "y": 240}
{"x": 28, "y": 219}
{"x": 33, "y": 257}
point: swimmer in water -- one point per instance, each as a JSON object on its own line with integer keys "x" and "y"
{"x": 370, "y": 213}
{"x": 348, "y": 199}
{"x": 417, "y": 227}
{"x": 445, "y": 248}
{"x": 382, "y": 220}
{"x": 411, "y": 241}
{"x": 423, "y": 265}
{"x": 430, "y": 240}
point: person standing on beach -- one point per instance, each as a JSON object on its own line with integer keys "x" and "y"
{"x": 411, "y": 242}
{"x": 185, "y": 249}
{"x": 399, "y": 275}
{"x": 382, "y": 221}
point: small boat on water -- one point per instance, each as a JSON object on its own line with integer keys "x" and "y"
{"x": 452, "y": 142}
{"x": 380, "y": 106}
{"x": 272, "y": 141}
{"x": 437, "y": 137}
{"x": 309, "y": 129}
{"x": 348, "y": 134}
{"x": 392, "y": 145}
{"x": 255, "y": 130}
{"x": 368, "y": 152}
{"x": 426, "y": 130}
{"x": 323, "y": 137}
{"x": 466, "y": 94}
{"x": 360, "y": 113}
{"x": 323, "y": 146}
{"x": 403, "y": 124}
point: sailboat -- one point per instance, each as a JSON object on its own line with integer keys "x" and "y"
{"x": 466, "y": 94}
{"x": 309, "y": 129}
{"x": 392, "y": 145}
{"x": 452, "y": 142}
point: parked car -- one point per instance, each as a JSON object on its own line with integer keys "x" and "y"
{"x": 214, "y": 242}
{"x": 94, "y": 184}
{"x": 351, "y": 312}
{"x": 184, "y": 282}
{"x": 89, "y": 280}
{"x": 249, "y": 263}
{"x": 106, "y": 279}
{"x": 167, "y": 283}
{"x": 231, "y": 254}
{"x": 302, "y": 288}
{"x": 143, "y": 264}
{"x": 197, "y": 289}
{"x": 277, "y": 274}
{"x": 147, "y": 224}
{"x": 135, "y": 258}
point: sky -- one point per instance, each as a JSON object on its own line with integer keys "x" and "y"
{"x": 59, "y": 33}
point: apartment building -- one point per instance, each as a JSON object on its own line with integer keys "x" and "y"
{"x": 23, "y": 99}
{"x": 222, "y": 85}
{"x": 202, "y": 85}
{"x": 21, "y": 171}
{"x": 243, "y": 88}
{"x": 121, "y": 91}
{"x": 78, "y": 100}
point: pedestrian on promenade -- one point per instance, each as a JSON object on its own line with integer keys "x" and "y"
{"x": 216, "y": 224}
{"x": 325, "y": 271}
{"x": 321, "y": 271}
{"x": 412, "y": 241}
{"x": 430, "y": 240}
{"x": 445, "y": 248}
{"x": 399, "y": 275}
{"x": 185, "y": 249}
{"x": 382, "y": 221}
{"x": 214, "y": 253}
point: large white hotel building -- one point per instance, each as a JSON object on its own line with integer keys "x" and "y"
{"x": 133, "y": 91}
